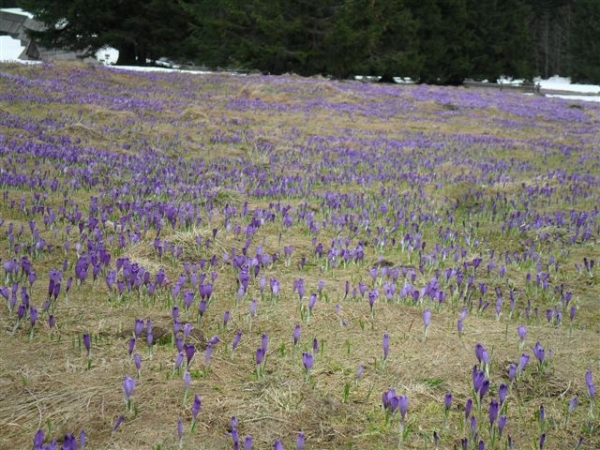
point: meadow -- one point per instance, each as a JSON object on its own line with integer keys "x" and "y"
{"x": 223, "y": 261}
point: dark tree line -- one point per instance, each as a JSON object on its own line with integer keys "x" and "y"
{"x": 433, "y": 41}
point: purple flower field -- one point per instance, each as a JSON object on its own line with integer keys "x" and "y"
{"x": 222, "y": 261}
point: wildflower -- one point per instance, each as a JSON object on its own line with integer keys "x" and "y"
{"x": 300, "y": 441}
{"x": 190, "y": 350}
{"x": 128, "y": 386}
{"x": 426, "y": 321}
{"x": 590, "y": 385}
{"x": 386, "y": 345}
{"x": 522, "y": 332}
{"x": 236, "y": 340}
{"x": 307, "y": 361}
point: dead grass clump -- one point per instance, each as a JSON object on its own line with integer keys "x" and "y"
{"x": 79, "y": 130}
{"x": 144, "y": 255}
{"x": 195, "y": 113}
{"x": 191, "y": 250}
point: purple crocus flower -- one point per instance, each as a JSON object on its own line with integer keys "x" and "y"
{"x": 264, "y": 342}
{"x": 386, "y": 345}
{"x": 573, "y": 404}
{"x": 426, "y": 318}
{"x": 479, "y": 349}
{"x": 468, "y": 407}
{"x": 447, "y": 401}
{"x": 512, "y": 372}
{"x": 33, "y": 316}
{"x": 403, "y": 406}
{"x": 248, "y": 442}
{"x": 178, "y": 360}
{"x": 359, "y": 371}
{"x": 196, "y": 405}
{"x": 21, "y": 311}
{"x": 501, "y": 424}
{"x": 300, "y": 441}
{"x": 522, "y": 363}
{"x": 189, "y": 350}
{"x": 118, "y": 423}
{"x": 277, "y": 445}
{"x": 311, "y": 302}
{"x": 131, "y": 346}
{"x": 128, "y": 386}
{"x": 539, "y": 353}
{"x": 485, "y": 387}
{"x": 188, "y": 298}
{"x": 274, "y": 286}
{"x": 180, "y": 430}
{"x": 38, "y": 440}
{"x": 542, "y": 441}
{"x": 307, "y": 361}
{"x": 372, "y": 297}
{"x": 296, "y": 334}
{"x": 260, "y": 356}
{"x": 236, "y": 340}
{"x": 69, "y": 442}
{"x": 137, "y": 360}
{"x": 522, "y": 332}
{"x": 493, "y": 411}
{"x": 502, "y": 391}
{"x": 225, "y": 318}
{"x": 207, "y": 353}
{"x": 478, "y": 376}
{"x": 590, "y": 385}
{"x": 87, "y": 343}
{"x": 187, "y": 381}
{"x": 460, "y": 326}
{"x": 202, "y": 307}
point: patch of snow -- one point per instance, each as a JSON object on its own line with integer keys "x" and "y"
{"x": 587, "y": 98}
{"x": 10, "y": 48}
{"x": 159, "y": 69}
{"x": 509, "y": 80}
{"x": 107, "y": 55}
{"x": 564, "y": 84}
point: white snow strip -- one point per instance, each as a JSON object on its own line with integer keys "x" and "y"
{"x": 586, "y": 98}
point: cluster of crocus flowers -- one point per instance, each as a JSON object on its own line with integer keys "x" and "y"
{"x": 69, "y": 442}
{"x": 392, "y": 403}
{"x": 153, "y": 213}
